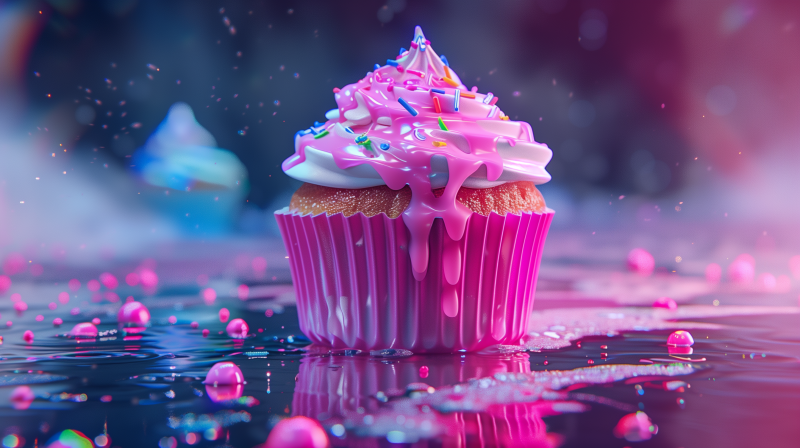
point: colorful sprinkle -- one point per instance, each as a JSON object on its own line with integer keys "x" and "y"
{"x": 321, "y": 134}
{"x": 438, "y": 144}
{"x": 492, "y": 111}
{"x": 444, "y": 59}
{"x": 419, "y": 135}
{"x": 493, "y": 101}
{"x": 467, "y": 95}
{"x": 416, "y": 72}
{"x": 407, "y": 107}
{"x": 377, "y": 66}
{"x": 362, "y": 139}
{"x": 336, "y": 90}
{"x": 391, "y": 62}
{"x": 347, "y": 128}
{"x": 402, "y": 50}
{"x": 488, "y": 98}
{"x": 456, "y": 98}
{"x": 436, "y": 106}
{"x": 450, "y": 81}
{"x": 447, "y": 72}
{"x": 504, "y": 117}
{"x": 438, "y": 91}
{"x": 441, "y": 123}
{"x": 414, "y": 45}
{"x": 384, "y": 146}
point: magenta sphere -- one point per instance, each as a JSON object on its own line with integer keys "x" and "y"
{"x": 84, "y": 330}
{"x": 680, "y": 338}
{"x": 27, "y": 336}
{"x": 133, "y": 313}
{"x": 237, "y": 329}
{"x": 21, "y": 397}
{"x": 742, "y": 270}
{"x": 665, "y": 302}
{"x": 224, "y": 373}
{"x": 641, "y": 262}
{"x": 297, "y": 432}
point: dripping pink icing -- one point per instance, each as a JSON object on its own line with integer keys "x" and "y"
{"x": 371, "y": 107}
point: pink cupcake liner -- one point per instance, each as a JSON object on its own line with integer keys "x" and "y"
{"x": 356, "y": 289}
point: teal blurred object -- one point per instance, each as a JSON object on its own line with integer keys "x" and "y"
{"x": 187, "y": 178}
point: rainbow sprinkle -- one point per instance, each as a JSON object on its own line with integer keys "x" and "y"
{"x": 419, "y": 135}
{"x": 377, "y": 66}
{"x": 456, "y": 98}
{"x": 450, "y": 81}
{"x": 436, "y": 106}
{"x": 392, "y": 62}
{"x": 321, "y": 134}
{"x": 438, "y": 91}
{"x": 491, "y": 111}
{"x": 444, "y": 59}
{"x": 488, "y": 98}
{"x": 416, "y": 72}
{"x": 407, "y": 107}
{"x": 442, "y": 125}
{"x": 384, "y": 146}
{"x": 438, "y": 144}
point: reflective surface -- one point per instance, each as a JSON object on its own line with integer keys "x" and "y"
{"x": 595, "y": 357}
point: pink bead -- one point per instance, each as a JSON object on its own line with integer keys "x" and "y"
{"x": 209, "y": 295}
{"x": 22, "y": 397}
{"x": 259, "y": 265}
{"x": 423, "y": 372}
{"x": 84, "y": 330}
{"x": 665, "y": 302}
{"x": 224, "y": 372}
{"x": 133, "y": 314}
{"x": 194, "y": 325}
{"x": 57, "y": 321}
{"x": 27, "y": 336}
{"x": 224, "y": 314}
{"x": 93, "y": 285}
{"x": 297, "y": 432}
{"x": 713, "y": 273}
{"x": 52, "y": 306}
{"x": 641, "y": 262}
{"x": 148, "y": 278}
{"x": 39, "y": 318}
{"x": 108, "y": 280}
{"x": 224, "y": 392}
{"x": 243, "y": 291}
{"x": 74, "y": 284}
{"x": 63, "y": 297}
{"x": 635, "y": 427}
{"x": 767, "y": 282}
{"x": 205, "y": 332}
{"x": 742, "y": 270}
{"x": 5, "y": 283}
{"x": 172, "y": 320}
{"x": 237, "y": 329}
{"x": 20, "y": 306}
{"x": 680, "y": 338}
{"x": 16, "y": 297}
{"x": 132, "y": 279}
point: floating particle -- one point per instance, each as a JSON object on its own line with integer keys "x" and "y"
{"x": 391, "y": 353}
{"x": 167, "y": 442}
{"x": 132, "y": 279}
{"x": 84, "y": 330}
{"x": 136, "y": 125}
{"x": 102, "y": 440}
{"x": 148, "y": 278}
{"x": 209, "y": 295}
{"x": 298, "y": 432}
{"x": 57, "y": 321}
{"x": 232, "y": 30}
{"x": 237, "y": 329}
{"x": 516, "y": 93}
{"x": 290, "y": 11}
{"x": 224, "y": 314}
{"x": 243, "y": 291}
{"x": 39, "y": 318}
{"x": 93, "y": 285}
{"x": 241, "y": 132}
{"x": 680, "y": 338}
{"x": 20, "y": 306}
{"x": 21, "y": 398}
{"x": 259, "y": 265}
{"x": 152, "y": 67}
{"x": 96, "y": 321}
{"x": 194, "y": 324}
{"x": 205, "y": 332}
{"x": 742, "y": 270}
{"x": 63, "y": 297}
{"x": 276, "y": 102}
{"x": 423, "y": 372}
{"x": 74, "y": 284}
{"x": 170, "y": 394}
{"x": 641, "y": 262}
{"x": 296, "y": 75}
{"x": 69, "y": 438}
{"x": 767, "y": 282}
{"x": 28, "y": 336}
{"x": 109, "y": 280}
{"x": 238, "y": 54}
{"x": 172, "y": 320}
{"x": 635, "y": 427}
{"x": 665, "y": 302}
{"x": 5, "y": 283}
{"x": 269, "y": 313}
{"x": 282, "y": 68}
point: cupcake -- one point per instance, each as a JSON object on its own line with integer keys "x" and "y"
{"x": 419, "y": 225}
{"x": 186, "y": 177}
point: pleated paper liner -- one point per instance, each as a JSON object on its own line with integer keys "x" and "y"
{"x": 355, "y": 287}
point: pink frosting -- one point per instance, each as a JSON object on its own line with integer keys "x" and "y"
{"x": 481, "y": 147}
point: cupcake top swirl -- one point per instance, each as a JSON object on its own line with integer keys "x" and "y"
{"x": 412, "y": 122}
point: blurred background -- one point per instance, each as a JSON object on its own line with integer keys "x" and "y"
{"x": 665, "y": 117}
